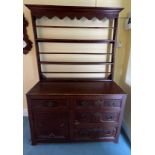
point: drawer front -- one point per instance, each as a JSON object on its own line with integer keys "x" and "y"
{"x": 51, "y": 125}
{"x": 52, "y": 103}
{"x": 95, "y": 133}
{"x": 96, "y": 117}
{"x": 98, "y": 103}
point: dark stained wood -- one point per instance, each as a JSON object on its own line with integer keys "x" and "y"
{"x": 46, "y": 130}
{"x": 86, "y": 103}
{"x": 93, "y": 117}
{"x": 101, "y": 133}
{"x": 73, "y": 79}
{"x": 73, "y": 40}
{"x": 75, "y": 109}
{"x": 80, "y": 27}
{"x": 76, "y": 88}
{"x": 36, "y": 45}
{"x": 49, "y": 104}
{"x": 50, "y": 11}
{"x": 114, "y": 47}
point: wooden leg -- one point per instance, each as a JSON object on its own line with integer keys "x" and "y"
{"x": 33, "y": 142}
{"x": 116, "y": 141}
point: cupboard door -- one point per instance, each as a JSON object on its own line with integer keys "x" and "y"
{"x": 51, "y": 125}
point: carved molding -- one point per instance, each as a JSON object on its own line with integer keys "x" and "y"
{"x": 72, "y": 12}
{"x": 97, "y": 117}
{"x": 99, "y": 103}
{"x": 96, "y": 132}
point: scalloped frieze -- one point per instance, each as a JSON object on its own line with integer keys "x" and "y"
{"x": 72, "y": 12}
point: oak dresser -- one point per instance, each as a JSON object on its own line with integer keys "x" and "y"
{"x": 75, "y": 109}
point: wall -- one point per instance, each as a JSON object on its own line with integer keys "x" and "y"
{"x": 122, "y": 71}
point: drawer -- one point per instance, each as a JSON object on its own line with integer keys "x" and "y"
{"x": 51, "y": 126}
{"x": 52, "y": 103}
{"x": 96, "y": 117}
{"x": 98, "y": 103}
{"x": 97, "y": 133}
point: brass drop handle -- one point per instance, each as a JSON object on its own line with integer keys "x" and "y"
{"x": 98, "y": 103}
{"x": 84, "y": 103}
{"x": 50, "y": 104}
{"x": 108, "y": 132}
{"x": 76, "y": 122}
{"x": 109, "y": 117}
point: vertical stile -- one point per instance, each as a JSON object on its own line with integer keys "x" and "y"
{"x": 36, "y": 45}
{"x": 114, "y": 47}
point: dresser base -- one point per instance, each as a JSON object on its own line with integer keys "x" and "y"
{"x": 75, "y": 112}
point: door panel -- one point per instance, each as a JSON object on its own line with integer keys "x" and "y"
{"x": 51, "y": 125}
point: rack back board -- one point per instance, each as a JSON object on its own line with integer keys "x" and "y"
{"x": 94, "y": 65}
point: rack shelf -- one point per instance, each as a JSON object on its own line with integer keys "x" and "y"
{"x": 73, "y": 79}
{"x": 77, "y": 27}
{"x": 75, "y": 63}
{"x": 73, "y": 40}
{"x": 75, "y": 53}
{"x": 76, "y": 72}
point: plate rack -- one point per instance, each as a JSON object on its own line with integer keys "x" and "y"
{"x": 72, "y": 12}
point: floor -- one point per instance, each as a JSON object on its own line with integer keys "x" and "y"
{"x": 88, "y": 148}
